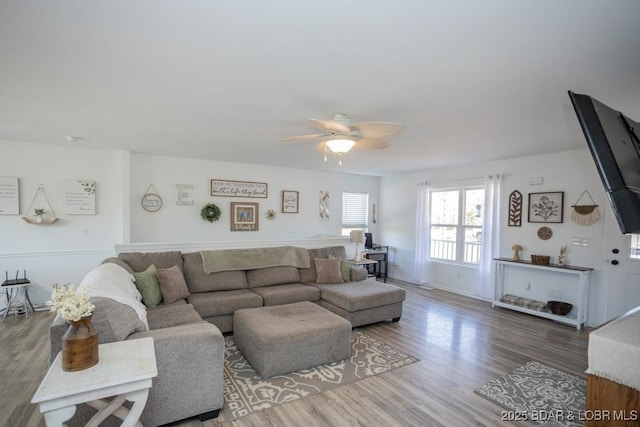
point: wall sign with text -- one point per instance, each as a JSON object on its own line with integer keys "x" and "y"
{"x": 9, "y": 196}
{"x": 290, "y": 201}
{"x": 228, "y": 188}
{"x": 80, "y": 197}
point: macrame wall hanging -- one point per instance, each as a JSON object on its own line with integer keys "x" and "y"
{"x": 585, "y": 214}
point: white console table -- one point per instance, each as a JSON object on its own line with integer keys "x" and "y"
{"x": 582, "y": 275}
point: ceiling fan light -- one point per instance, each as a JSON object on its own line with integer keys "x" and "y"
{"x": 340, "y": 145}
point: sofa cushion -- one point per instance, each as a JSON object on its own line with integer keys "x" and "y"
{"x": 140, "y": 261}
{"x": 270, "y": 276}
{"x": 113, "y": 320}
{"x": 308, "y": 275}
{"x": 209, "y": 304}
{"x": 172, "y": 315}
{"x": 328, "y": 270}
{"x": 148, "y": 285}
{"x": 172, "y": 284}
{"x": 362, "y": 295}
{"x": 199, "y": 281}
{"x": 287, "y": 294}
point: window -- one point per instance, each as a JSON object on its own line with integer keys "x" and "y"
{"x": 355, "y": 212}
{"x": 456, "y": 224}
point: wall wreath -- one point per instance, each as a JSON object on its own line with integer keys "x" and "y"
{"x": 210, "y": 212}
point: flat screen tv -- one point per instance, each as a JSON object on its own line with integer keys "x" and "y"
{"x": 613, "y": 140}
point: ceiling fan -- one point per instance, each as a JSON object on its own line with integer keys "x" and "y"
{"x": 340, "y": 135}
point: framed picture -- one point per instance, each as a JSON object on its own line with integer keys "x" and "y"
{"x": 9, "y": 196}
{"x": 80, "y": 197}
{"x": 290, "y": 203}
{"x": 244, "y": 216}
{"x": 230, "y": 188}
{"x": 546, "y": 207}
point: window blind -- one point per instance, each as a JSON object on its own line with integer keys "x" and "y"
{"x": 355, "y": 210}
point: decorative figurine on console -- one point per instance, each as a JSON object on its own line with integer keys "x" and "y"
{"x": 516, "y": 252}
{"x": 563, "y": 249}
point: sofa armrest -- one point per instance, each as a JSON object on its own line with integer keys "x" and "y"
{"x": 114, "y": 322}
{"x": 190, "y": 360}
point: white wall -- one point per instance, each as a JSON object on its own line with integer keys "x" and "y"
{"x": 571, "y": 172}
{"x": 62, "y": 253}
{"x": 180, "y": 223}
{"x": 65, "y": 251}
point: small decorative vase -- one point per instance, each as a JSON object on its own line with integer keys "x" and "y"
{"x": 39, "y": 219}
{"x": 561, "y": 260}
{"x": 79, "y": 345}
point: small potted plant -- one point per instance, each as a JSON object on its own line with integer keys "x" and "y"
{"x": 38, "y": 213}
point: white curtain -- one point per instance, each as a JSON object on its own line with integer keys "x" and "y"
{"x": 491, "y": 235}
{"x": 422, "y": 268}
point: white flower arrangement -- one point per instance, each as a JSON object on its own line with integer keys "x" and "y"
{"x": 69, "y": 304}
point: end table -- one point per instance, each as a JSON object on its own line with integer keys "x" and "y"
{"x": 125, "y": 370}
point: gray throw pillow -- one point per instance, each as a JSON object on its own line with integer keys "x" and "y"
{"x": 172, "y": 284}
{"x": 328, "y": 270}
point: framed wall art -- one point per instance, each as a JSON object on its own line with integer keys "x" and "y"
{"x": 290, "y": 201}
{"x": 230, "y": 188}
{"x": 324, "y": 206}
{"x": 546, "y": 207}
{"x": 80, "y": 197}
{"x": 9, "y": 196}
{"x": 151, "y": 200}
{"x": 515, "y": 209}
{"x": 244, "y": 216}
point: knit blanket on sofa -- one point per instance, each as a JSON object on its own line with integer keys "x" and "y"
{"x": 254, "y": 258}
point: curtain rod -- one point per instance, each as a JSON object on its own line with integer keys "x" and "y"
{"x": 450, "y": 180}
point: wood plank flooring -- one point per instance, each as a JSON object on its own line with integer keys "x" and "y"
{"x": 462, "y": 343}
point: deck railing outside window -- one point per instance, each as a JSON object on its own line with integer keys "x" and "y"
{"x": 446, "y": 250}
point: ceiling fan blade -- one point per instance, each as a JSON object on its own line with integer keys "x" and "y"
{"x": 303, "y": 137}
{"x": 377, "y": 129}
{"x": 372, "y": 144}
{"x": 329, "y": 125}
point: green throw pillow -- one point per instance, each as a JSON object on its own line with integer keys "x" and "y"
{"x": 345, "y": 268}
{"x": 149, "y": 286}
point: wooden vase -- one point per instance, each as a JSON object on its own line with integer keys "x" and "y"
{"x": 79, "y": 345}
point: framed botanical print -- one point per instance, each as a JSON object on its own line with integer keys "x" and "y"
{"x": 244, "y": 216}
{"x": 546, "y": 207}
{"x": 290, "y": 201}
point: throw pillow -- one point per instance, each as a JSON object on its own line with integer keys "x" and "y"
{"x": 345, "y": 268}
{"x": 358, "y": 274}
{"x": 172, "y": 284}
{"x": 148, "y": 285}
{"x": 328, "y": 270}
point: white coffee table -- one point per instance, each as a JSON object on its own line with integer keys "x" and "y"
{"x": 124, "y": 370}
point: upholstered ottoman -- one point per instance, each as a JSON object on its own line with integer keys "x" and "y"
{"x": 286, "y": 338}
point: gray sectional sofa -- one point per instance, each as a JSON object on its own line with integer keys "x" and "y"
{"x": 194, "y": 325}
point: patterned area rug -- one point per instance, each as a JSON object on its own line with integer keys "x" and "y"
{"x": 539, "y": 394}
{"x": 245, "y": 392}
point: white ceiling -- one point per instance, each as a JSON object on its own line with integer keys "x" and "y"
{"x": 225, "y": 80}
